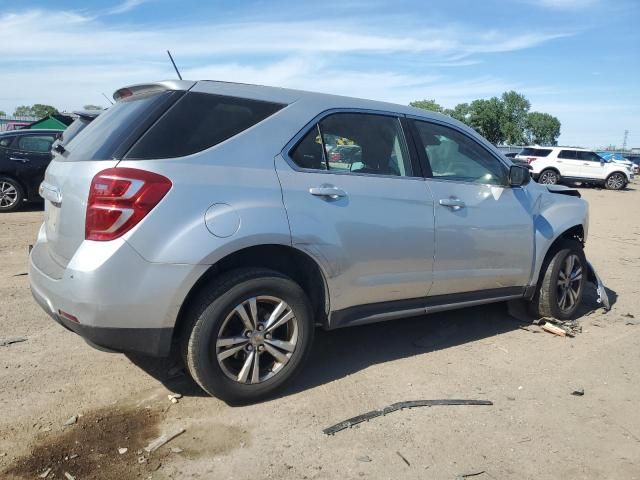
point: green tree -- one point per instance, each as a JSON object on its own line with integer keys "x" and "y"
{"x": 515, "y": 108}
{"x": 2, "y": 114}
{"x": 542, "y": 128}
{"x": 93, "y": 107}
{"x": 430, "y": 105}
{"x": 38, "y": 110}
{"x": 460, "y": 112}
{"x": 486, "y": 117}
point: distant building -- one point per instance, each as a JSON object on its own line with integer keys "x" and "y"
{"x": 15, "y": 123}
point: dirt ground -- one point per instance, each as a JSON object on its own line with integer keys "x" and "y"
{"x": 535, "y": 428}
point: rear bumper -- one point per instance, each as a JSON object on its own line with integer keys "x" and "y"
{"x": 122, "y": 302}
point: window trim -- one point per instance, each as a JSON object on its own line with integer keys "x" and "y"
{"x": 424, "y": 158}
{"x": 315, "y": 123}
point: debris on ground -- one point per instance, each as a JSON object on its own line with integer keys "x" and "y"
{"x": 45, "y": 474}
{"x": 398, "y": 406}
{"x": 549, "y": 327}
{"x": 562, "y": 328}
{"x": 364, "y": 458}
{"x": 174, "y": 397}
{"x": 20, "y": 274}
{"x": 5, "y": 342}
{"x": 578, "y": 393}
{"x": 163, "y": 439}
{"x": 472, "y": 474}
{"x": 68, "y": 476}
{"x": 122, "y": 451}
{"x": 71, "y": 421}
{"x": 176, "y": 450}
{"x": 628, "y": 315}
{"x": 403, "y": 458}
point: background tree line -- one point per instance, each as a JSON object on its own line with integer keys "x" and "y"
{"x": 505, "y": 120}
{"x": 40, "y": 110}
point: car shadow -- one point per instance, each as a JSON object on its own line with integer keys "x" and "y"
{"x": 339, "y": 353}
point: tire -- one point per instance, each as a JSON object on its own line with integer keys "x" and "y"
{"x": 549, "y": 177}
{"x": 548, "y": 299}
{"x": 615, "y": 181}
{"x": 11, "y": 194}
{"x": 229, "y": 371}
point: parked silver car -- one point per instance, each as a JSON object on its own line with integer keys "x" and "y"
{"x": 206, "y": 217}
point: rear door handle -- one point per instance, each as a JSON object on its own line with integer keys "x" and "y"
{"x": 23, "y": 160}
{"x": 327, "y": 191}
{"x": 453, "y": 203}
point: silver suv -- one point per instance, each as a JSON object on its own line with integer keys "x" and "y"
{"x": 209, "y": 218}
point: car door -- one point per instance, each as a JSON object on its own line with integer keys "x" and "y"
{"x": 32, "y": 155}
{"x": 483, "y": 227}
{"x": 592, "y": 165}
{"x": 569, "y": 164}
{"x": 365, "y": 216}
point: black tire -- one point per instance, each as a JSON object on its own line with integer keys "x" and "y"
{"x": 214, "y": 310}
{"x": 615, "y": 181}
{"x": 548, "y": 297}
{"x": 549, "y": 177}
{"x": 11, "y": 194}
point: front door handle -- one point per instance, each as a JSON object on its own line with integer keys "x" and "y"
{"x": 23, "y": 160}
{"x": 327, "y": 191}
{"x": 453, "y": 203}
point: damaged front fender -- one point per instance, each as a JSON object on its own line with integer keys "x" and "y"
{"x": 603, "y": 298}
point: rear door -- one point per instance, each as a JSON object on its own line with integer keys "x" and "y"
{"x": 366, "y": 216}
{"x": 32, "y": 154}
{"x": 483, "y": 228}
{"x": 569, "y": 164}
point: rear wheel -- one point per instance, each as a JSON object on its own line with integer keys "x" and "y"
{"x": 562, "y": 282}
{"x": 616, "y": 181}
{"x": 549, "y": 177}
{"x": 11, "y": 194}
{"x": 249, "y": 335}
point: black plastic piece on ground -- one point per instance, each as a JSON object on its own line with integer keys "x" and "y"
{"x": 398, "y": 406}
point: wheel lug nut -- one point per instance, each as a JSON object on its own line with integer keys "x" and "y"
{"x": 248, "y": 334}
{"x": 260, "y": 328}
{"x": 249, "y": 348}
{"x": 261, "y": 348}
{"x": 267, "y": 336}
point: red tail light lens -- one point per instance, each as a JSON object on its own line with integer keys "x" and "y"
{"x": 119, "y": 198}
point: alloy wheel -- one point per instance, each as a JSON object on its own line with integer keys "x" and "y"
{"x": 569, "y": 283}
{"x": 549, "y": 178}
{"x": 8, "y": 195}
{"x": 615, "y": 181}
{"x": 257, "y": 339}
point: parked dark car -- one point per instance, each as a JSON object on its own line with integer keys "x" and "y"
{"x": 24, "y": 156}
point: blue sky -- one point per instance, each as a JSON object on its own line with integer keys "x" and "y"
{"x": 576, "y": 59}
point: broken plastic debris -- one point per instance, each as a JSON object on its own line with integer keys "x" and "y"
{"x": 161, "y": 440}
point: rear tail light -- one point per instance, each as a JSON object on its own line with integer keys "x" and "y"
{"x": 530, "y": 160}
{"x": 119, "y": 198}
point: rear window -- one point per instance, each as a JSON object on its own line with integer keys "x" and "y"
{"x": 199, "y": 121}
{"x": 114, "y": 131}
{"x": 535, "y": 152}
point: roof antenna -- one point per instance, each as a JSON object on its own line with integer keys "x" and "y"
{"x": 174, "y": 65}
{"x": 108, "y": 99}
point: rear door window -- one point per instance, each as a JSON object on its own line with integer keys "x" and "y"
{"x": 5, "y": 142}
{"x": 567, "y": 154}
{"x": 199, "y": 121}
{"x": 35, "y": 143}
{"x": 535, "y": 152}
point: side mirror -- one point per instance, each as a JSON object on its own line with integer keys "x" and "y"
{"x": 602, "y": 163}
{"x": 519, "y": 176}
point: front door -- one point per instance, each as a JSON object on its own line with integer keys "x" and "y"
{"x": 484, "y": 228}
{"x": 592, "y": 165}
{"x": 357, "y": 203}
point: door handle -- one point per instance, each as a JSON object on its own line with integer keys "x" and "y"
{"x": 327, "y": 191}
{"x": 586, "y": 163}
{"x": 453, "y": 203}
{"x": 23, "y": 160}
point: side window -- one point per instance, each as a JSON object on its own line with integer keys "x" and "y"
{"x": 308, "y": 152}
{"x": 454, "y": 156}
{"x": 6, "y": 141}
{"x": 365, "y": 143}
{"x": 35, "y": 143}
{"x": 588, "y": 156}
{"x": 567, "y": 154}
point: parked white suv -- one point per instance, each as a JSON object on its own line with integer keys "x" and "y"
{"x": 552, "y": 165}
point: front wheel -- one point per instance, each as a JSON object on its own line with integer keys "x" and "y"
{"x": 562, "y": 281}
{"x": 549, "y": 177}
{"x": 616, "y": 181}
{"x": 250, "y": 335}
